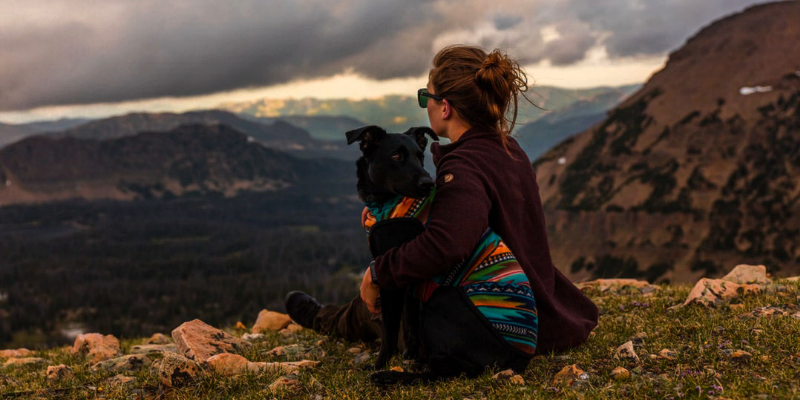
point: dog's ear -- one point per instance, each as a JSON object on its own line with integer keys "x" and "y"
{"x": 369, "y": 136}
{"x": 418, "y": 134}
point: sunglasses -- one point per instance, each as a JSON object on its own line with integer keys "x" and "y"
{"x": 423, "y": 95}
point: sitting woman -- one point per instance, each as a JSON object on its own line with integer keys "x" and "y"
{"x": 483, "y": 180}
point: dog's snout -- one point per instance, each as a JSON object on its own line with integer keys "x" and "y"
{"x": 425, "y": 183}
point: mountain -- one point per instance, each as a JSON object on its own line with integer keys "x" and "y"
{"x": 322, "y": 127}
{"x": 188, "y": 160}
{"x": 557, "y": 124}
{"x": 10, "y": 133}
{"x": 397, "y": 113}
{"x": 697, "y": 171}
{"x": 279, "y": 135}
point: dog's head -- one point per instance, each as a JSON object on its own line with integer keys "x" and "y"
{"x": 391, "y": 163}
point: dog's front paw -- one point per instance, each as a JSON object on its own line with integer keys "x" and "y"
{"x": 384, "y": 378}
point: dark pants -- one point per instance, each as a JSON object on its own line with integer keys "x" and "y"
{"x": 352, "y": 321}
{"x": 456, "y": 337}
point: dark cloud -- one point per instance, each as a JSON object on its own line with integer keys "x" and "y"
{"x": 55, "y": 52}
{"x": 505, "y": 21}
{"x": 574, "y": 41}
{"x": 642, "y": 27}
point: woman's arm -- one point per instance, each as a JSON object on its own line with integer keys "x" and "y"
{"x": 459, "y": 216}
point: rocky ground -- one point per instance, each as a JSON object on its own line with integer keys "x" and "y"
{"x": 735, "y": 337}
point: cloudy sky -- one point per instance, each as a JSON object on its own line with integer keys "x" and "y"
{"x": 92, "y": 58}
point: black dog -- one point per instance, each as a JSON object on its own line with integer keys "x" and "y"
{"x": 392, "y": 165}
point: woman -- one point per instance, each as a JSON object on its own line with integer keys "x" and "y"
{"x": 483, "y": 179}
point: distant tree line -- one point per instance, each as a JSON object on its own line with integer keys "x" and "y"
{"x": 135, "y": 268}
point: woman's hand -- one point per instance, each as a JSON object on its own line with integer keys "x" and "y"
{"x": 370, "y": 293}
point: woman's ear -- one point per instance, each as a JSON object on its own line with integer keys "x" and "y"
{"x": 447, "y": 109}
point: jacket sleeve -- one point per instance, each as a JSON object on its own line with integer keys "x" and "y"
{"x": 459, "y": 216}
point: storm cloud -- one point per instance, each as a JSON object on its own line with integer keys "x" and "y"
{"x": 64, "y": 52}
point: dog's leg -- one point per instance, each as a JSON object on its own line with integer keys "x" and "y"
{"x": 411, "y": 328}
{"x": 391, "y": 313}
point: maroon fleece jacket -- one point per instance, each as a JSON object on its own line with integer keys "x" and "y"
{"x": 479, "y": 185}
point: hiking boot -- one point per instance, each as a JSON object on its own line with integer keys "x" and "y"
{"x": 302, "y": 308}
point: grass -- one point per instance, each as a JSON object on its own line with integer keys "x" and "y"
{"x": 702, "y": 369}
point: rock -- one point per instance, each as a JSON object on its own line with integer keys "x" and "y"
{"x": 626, "y": 351}
{"x": 620, "y": 374}
{"x": 285, "y": 350}
{"x": 120, "y": 380}
{"x": 744, "y": 274}
{"x": 286, "y": 333}
{"x": 227, "y": 364}
{"x": 503, "y": 375}
{"x": 154, "y": 349}
{"x": 361, "y": 358}
{"x": 133, "y": 362}
{"x": 287, "y": 383}
{"x": 792, "y": 279}
{"x": 638, "y": 339}
{"x": 294, "y": 328}
{"x": 96, "y": 346}
{"x": 618, "y": 285}
{"x": 569, "y": 375}
{"x": 175, "y": 370}
{"x": 240, "y": 325}
{"x": 354, "y": 350}
{"x": 397, "y": 369}
{"x": 291, "y": 330}
{"x": 18, "y": 353}
{"x": 740, "y": 355}
{"x": 26, "y": 362}
{"x": 712, "y": 292}
{"x": 159, "y": 338}
{"x": 302, "y": 364}
{"x": 252, "y": 337}
{"x": 198, "y": 341}
{"x": 509, "y": 376}
{"x": 270, "y": 321}
{"x": 768, "y": 311}
{"x": 667, "y": 354}
{"x": 58, "y": 374}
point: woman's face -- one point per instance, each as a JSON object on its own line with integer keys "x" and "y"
{"x": 435, "y": 113}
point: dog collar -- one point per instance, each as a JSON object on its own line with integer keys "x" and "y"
{"x": 397, "y": 207}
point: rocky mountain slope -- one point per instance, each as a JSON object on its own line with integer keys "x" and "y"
{"x": 697, "y": 170}
{"x": 278, "y": 134}
{"x": 190, "y": 159}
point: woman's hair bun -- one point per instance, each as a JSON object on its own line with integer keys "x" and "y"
{"x": 496, "y": 72}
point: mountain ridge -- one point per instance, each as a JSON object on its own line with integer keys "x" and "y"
{"x": 192, "y": 158}
{"x": 674, "y": 182}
